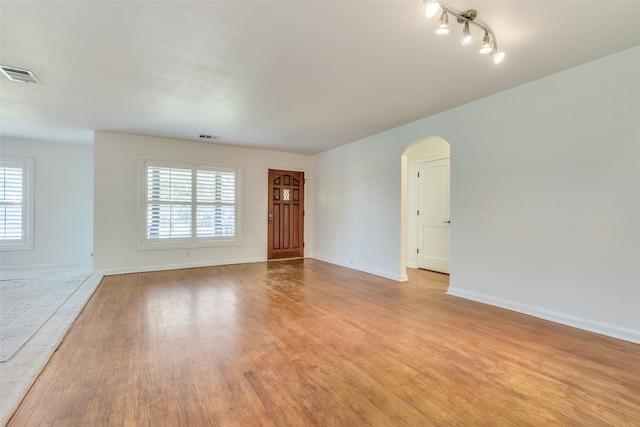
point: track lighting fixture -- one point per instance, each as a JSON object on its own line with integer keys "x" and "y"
{"x": 466, "y": 18}
{"x": 431, "y": 8}
{"x": 467, "y": 37}
{"x": 443, "y": 29}
{"x": 497, "y": 56}
{"x": 487, "y": 46}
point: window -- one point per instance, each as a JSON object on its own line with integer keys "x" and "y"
{"x": 16, "y": 204}
{"x": 189, "y": 204}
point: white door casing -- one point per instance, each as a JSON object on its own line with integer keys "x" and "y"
{"x": 433, "y": 215}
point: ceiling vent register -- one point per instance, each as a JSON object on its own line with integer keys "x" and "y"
{"x": 19, "y": 75}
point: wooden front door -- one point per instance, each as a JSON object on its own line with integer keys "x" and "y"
{"x": 286, "y": 214}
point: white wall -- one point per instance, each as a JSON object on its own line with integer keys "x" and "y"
{"x": 118, "y": 198}
{"x": 63, "y": 204}
{"x": 545, "y": 206}
{"x": 357, "y": 205}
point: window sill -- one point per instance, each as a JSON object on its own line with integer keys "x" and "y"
{"x": 7, "y": 247}
{"x": 146, "y": 246}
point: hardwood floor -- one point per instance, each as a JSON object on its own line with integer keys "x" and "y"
{"x": 297, "y": 343}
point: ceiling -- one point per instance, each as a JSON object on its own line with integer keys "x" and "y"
{"x": 296, "y": 76}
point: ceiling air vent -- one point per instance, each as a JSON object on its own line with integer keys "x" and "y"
{"x": 19, "y": 75}
{"x": 207, "y": 138}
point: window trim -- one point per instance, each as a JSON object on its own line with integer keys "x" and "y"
{"x": 183, "y": 243}
{"x": 27, "y": 165}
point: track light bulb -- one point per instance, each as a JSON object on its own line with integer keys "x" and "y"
{"x": 431, "y": 8}
{"x": 497, "y": 56}
{"x": 443, "y": 29}
{"x": 467, "y": 37}
{"x": 487, "y": 47}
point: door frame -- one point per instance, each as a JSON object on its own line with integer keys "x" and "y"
{"x": 421, "y": 149}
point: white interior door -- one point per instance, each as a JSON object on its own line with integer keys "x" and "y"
{"x": 433, "y": 215}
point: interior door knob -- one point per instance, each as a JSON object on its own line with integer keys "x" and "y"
{"x": 447, "y": 222}
{"x": 270, "y": 217}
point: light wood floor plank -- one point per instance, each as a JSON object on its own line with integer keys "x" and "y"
{"x": 307, "y": 343}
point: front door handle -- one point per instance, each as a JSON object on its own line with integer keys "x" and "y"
{"x": 270, "y": 217}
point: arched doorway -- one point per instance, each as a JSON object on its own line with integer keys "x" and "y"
{"x": 428, "y": 154}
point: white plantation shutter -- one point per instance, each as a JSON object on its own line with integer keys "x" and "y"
{"x": 216, "y": 203}
{"x": 14, "y": 204}
{"x": 11, "y": 201}
{"x": 185, "y": 203}
{"x": 168, "y": 202}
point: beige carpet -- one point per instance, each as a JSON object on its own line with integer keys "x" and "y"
{"x": 28, "y": 299}
{"x": 19, "y": 372}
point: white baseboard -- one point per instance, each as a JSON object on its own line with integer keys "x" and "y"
{"x": 66, "y": 266}
{"x": 374, "y": 271}
{"x": 564, "y": 319}
{"x": 148, "y": 268}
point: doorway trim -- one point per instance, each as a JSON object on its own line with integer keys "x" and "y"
{"x": 421, "y": 150}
